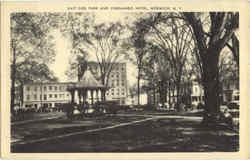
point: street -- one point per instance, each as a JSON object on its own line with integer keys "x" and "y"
{"x": 123, "y": 133}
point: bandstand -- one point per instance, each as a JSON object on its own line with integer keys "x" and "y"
{"x": 88, "y": 89}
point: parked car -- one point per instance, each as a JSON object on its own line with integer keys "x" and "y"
{"x": 234, "y": 109}
{"x": 223, "y": 108}
{"x": 231, "y": 108}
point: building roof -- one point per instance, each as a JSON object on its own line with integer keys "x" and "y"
{"x": 88, "y": 81}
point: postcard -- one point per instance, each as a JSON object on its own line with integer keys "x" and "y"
{"x": 108, "y": 80}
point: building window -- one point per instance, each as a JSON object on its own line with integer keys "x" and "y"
{"x": 41, "y": 97}
{"x": 50, "y": 88}
{"x": 50, "y": 95}
{"x": 55, "y": 95}
{"x": 123, "y": 93}
{"x": 35, "y": 97}
{"x": 44, "y": 88}
{"x": 28, "y": 88}
{"x": 60, "y": 88}
{"x": 55, "y": 88}
{"x": 45, "y": 97}
{"x": 35, "y": 88}
{"x": 195, "y": 99}
{"x": 28, "y": 97}
{"x": 236, "y": 98}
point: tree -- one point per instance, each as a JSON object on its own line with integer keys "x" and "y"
{"x": 234, "y": 47}
{"x": 150, "y": 74}
{"x": 175, "y": 41}
{"x": 210, "y": 41}
{"x": 77, "y": 64}
{"x": 32, "y": 47}
{"x": 77, "y": 28}
{"x": 136, "y": 47}
{"x": 105, "y": 42}
{"x": 172, "y": 41}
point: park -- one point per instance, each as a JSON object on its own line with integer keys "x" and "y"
{"x": 151, "y": 82}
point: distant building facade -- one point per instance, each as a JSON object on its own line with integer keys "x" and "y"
{"x": 230, "y": 90}
{"x": 117, "y": 81}
{"x": 45, "y": 94}
{"x": 132, "y": 99}
{"x": 170, "y": 94}
{"x": 194, "y": 93}
{"x": 197, "y": 94}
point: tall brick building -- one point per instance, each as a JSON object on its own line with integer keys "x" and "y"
{"x": 117, "y": 81}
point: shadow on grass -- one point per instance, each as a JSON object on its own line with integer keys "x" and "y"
{"x": 162, "y": 135}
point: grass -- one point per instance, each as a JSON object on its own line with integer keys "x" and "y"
{"x": 158, "y": 135}
{"x": 61, "y": 126}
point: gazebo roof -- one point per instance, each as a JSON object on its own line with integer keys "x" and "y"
{"x": 88, "y": 81}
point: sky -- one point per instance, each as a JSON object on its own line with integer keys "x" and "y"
{"x": 63, "y": 48}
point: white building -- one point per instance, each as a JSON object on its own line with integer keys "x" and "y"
{"x": 45, "y": 94}
{"x": 197, "y": 94}
{"x": 133, "y": 99}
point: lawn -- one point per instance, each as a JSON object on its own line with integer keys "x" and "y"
{"x": 157, "y": 135}
{"x": 60, "y": 126}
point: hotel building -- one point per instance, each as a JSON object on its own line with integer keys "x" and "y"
{"x": 117, "y": 81}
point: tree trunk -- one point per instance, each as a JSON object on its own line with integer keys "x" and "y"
{"x": 13, "y": 80}
{"x": 165, "y": 93}
{"x": 103, "y": 92}
{"x": 72, "y": 96}
{"x": 104, "y": 95}
{"x": 138, "y": 85}
{"x": 211, "y": 86}
{"x": 177, "y": 97}
{"x": 169, "y": 93}
{"x": 160, "y": 92}
{"x": 21, "y": 94}
{"x": 154, "y": 95}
